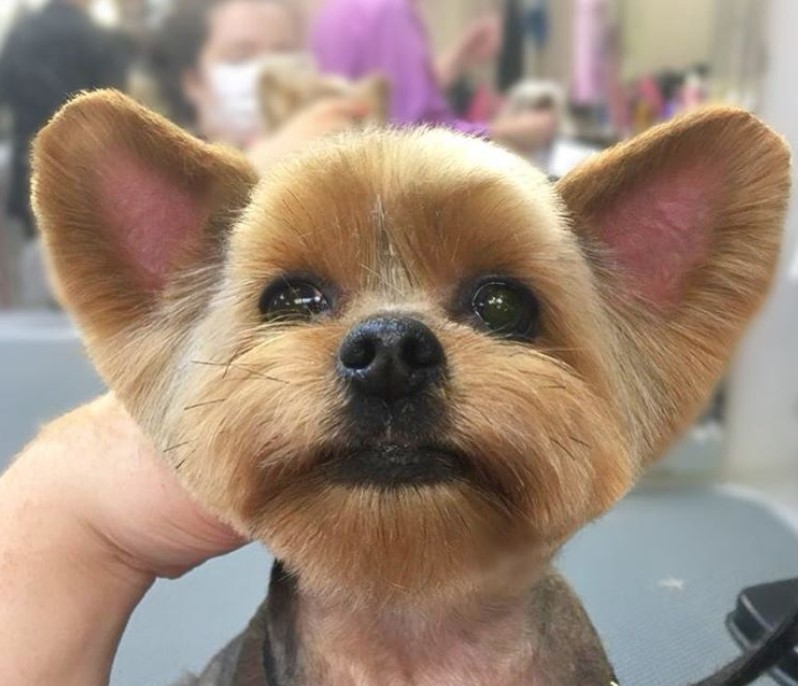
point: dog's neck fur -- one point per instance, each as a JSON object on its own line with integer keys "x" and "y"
{"x": 485, "y": 643}
{"x": 505, "y": 640}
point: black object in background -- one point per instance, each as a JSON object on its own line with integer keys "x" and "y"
{"x": 511, "y": 57}
{"x": 48, "y": 56}
{"x": 461, "y": 95}
{"x": 759, "y": 612}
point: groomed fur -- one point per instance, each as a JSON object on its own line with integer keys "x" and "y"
{"x": 734, "y": 171}
{"x": 164, "y": 276}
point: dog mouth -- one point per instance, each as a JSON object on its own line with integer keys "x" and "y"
{"x": 393, "y": 465}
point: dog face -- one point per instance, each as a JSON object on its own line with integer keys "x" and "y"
{"x": 406, "y": 361}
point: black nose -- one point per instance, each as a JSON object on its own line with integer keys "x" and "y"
{"x": 390, "y": 357}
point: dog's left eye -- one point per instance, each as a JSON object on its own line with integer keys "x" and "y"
{"x": 293, "y": 300}
{"x": 506, "y": 309}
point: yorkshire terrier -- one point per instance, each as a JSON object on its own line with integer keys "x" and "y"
{"x": 410, "y": 364}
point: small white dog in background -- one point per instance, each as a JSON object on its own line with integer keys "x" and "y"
{"x": 564, "y": 152}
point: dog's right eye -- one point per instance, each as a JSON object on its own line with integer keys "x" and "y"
{"x": 291, "y": 300}
{"x": 506, "y": 308}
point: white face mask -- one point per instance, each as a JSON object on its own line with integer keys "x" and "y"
{"x": 235, "y": 91}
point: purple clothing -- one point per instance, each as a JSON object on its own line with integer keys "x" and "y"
{"x": 357, "y": 38}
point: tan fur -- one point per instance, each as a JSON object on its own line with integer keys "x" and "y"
{"x": 119, "y": 316}
{"x": 287, "y": 88}
{"x": 677, "y": 356}
{"x": 557, "y": 429}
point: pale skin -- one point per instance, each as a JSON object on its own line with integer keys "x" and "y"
{"x": 90, "y": 516}
{"x": 479, "y": 43}
{"x": 325, "y": 117}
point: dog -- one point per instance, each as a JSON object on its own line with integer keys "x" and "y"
{"x": 410, "y": 364}
{"x": 533, "y": 95}
{"x": 290, "y": 83}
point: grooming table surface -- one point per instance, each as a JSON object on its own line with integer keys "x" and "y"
{"x": 661, "y": 571}
{"x": 658, "y": 574}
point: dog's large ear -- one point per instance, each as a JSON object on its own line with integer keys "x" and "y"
{"x": 129, "y": 205}
{"x": 682, "y": 226}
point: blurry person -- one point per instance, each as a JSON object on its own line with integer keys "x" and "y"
{"x": 354, "y": 38}
{"x": 134, "y": 17}
{"x": 49, "y": 56}
{"x": 563, "y": 152}
{"x": 210, "y": 60}
{"x": 478, "y": 44}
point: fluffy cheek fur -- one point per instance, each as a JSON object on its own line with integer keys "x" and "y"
{"x": 546, "y": 458}
{"x": 539, "y": 433}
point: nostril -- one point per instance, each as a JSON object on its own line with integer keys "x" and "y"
{"x": 417, "y": 353}
{"x": 421, "y": 351}
{"x": 358, "y": 353}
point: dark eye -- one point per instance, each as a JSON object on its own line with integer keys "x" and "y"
{"x": 293, "y": 300}
{"x": 506, "y": 309}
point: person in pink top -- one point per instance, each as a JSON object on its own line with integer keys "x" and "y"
{"x": 355, "y": 38}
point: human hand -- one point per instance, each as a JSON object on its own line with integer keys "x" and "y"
{"x": 481, "y": 41}
{"x": 90, "y": 516}
{"x": 525, "y": 131}
{"x": 97, "y": 467}
{"x": 322, "y": 118}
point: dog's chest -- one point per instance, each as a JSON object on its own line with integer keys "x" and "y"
{"x": 457, "y": 668}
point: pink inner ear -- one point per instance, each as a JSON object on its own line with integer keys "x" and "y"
{"x": 148, "y": 214}
{"x": 660, "y": 230}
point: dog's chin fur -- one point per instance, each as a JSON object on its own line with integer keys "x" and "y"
{"x": 162, "y": 247}
{"x": 529, "y": 484}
